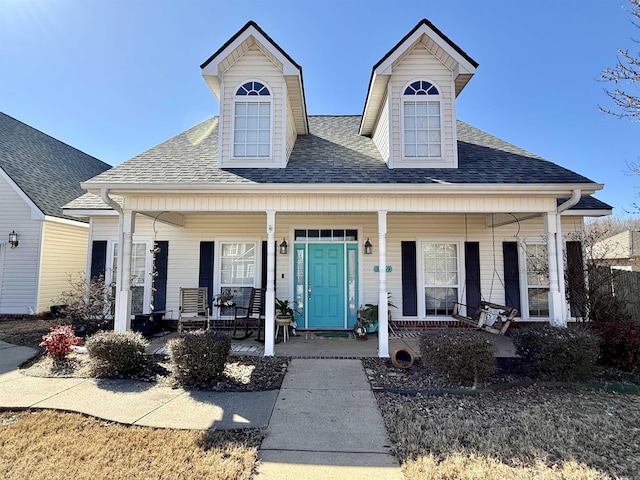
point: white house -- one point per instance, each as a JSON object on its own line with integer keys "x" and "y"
{"x": 452, "y": 213}
{"x": 39, "y": 245}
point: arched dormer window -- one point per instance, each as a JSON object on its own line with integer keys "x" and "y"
{"x": 252, "y": 121}
{"x": 422, "y": 126}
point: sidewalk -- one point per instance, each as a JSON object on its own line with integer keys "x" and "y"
{"x": 130, "y": 401}
{"x": 326, "y": 425}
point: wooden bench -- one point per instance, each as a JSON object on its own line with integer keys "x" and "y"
{"x": 492, "y": 317}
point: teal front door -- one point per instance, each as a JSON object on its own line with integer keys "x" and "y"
{"x": 326, "y": 286}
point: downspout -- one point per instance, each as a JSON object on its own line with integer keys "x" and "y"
{"x": 573, "y": 200}
{"x": 104, "y": 195}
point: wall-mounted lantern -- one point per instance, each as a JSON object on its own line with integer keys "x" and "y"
{"x": 368, "y": 247}
{"x": 13, "y": 239}
{"x": 284, "y": 248}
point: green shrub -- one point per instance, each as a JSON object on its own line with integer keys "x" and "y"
{"x": 619, "y": 344}
{"x": 117, "y": 354}
{"x": 463, "y": 356}
{"x": 557, "y": 353}
{"x": 198, "y": 358}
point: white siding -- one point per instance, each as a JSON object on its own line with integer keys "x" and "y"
{"x": 253, "y": 65}
{"x": 19, "y": 276}
{"x": 381, "y": 131}
{"x": 420, "y": 64}
{"x": 64, "y": 253}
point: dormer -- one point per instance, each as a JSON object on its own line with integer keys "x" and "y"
{"x": 261, "y": 95}
{"x": 410, "y": 107}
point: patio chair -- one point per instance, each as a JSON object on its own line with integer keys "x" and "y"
{"x": 492, "y": 317}
{"x": 251, "y": 316}
{"x": 193, "y": 311}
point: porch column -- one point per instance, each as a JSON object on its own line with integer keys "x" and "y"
{"x": 122, "y": 320}
{"x": 555, "y": 300}
{"x": 383, "y": 307}
{"x": 270, "y": 297}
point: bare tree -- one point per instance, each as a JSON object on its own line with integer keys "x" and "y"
{"x": 87, "y": 304}
{"x": 625, "y": 75}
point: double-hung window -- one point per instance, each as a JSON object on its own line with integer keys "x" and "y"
{"x": 537, "y": 263}
{"x": 140, "y": 294}
{"x": 440, "y": 261}
{"x": 422, "y": 121}
{"x": 252, "y": 121}
{"x": 238, "y": 270}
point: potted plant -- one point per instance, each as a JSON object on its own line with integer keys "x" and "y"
{"x": 370, "y": 313}
{"x": 284, "y": 312}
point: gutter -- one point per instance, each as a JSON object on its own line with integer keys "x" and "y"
{"x": 575, "y": 198}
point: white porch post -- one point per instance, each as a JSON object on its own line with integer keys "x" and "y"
{"x": 555, "y": 300}
{"x": 270, "y": 297}
{"x": 383, "y": 307}
{"x": 122, "y": 320}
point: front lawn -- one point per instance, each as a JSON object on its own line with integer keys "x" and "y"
{"x": 47, "y": 444}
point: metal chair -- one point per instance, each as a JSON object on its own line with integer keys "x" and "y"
{"x": 251, "y": 316}
{"x": 193, "y": 311}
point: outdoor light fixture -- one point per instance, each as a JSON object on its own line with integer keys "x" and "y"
{"x": 367, "y": 247}
{"x": 284, "y": 248}
{"x": 13, "y": 239}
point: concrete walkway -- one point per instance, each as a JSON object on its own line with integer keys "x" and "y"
{"x": 326, "y": 425}
{"x": 130, "y": 401}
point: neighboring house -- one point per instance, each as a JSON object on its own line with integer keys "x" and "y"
{"x": 621, "y": 251}
{"x": 450, "y": 213}
{"x": 38, "y": 175}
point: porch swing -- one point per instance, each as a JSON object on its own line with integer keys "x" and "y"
{"x": 492, "y": 317}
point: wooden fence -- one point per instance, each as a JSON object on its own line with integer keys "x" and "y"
{"x": 622, "y": 284}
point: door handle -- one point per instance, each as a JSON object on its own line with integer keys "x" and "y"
{"x": 309, "y": 290}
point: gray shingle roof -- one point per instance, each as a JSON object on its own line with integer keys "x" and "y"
{"x": 333, "y": 152}
{"x": 47, "y": 170}
{"x": 587, "y": 203}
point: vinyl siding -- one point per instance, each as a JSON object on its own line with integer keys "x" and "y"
{"x": 253, "y": 65}
{"x": 183, "y": 262}
{"x": 64, "y": 253}
{"x": 420, "y": 64}
{"x": 381, "y": 131}
{"x": 18, "y": 280}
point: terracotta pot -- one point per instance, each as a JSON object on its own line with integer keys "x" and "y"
{"x": 402, "y": 358}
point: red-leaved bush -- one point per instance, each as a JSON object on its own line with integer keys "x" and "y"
{"x": 60, "y": 341}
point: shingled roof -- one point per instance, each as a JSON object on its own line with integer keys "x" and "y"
{"x": 47, "y": 170}
{"x": 334, "y": 153}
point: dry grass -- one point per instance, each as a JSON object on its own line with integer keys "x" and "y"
{"x": 532, "y": 433}
{"x": 53, "y": 445}
{"x": 27, "y": 333}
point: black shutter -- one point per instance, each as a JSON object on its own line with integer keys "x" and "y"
{"x": 511, "y": 275}
{"x": 472, "y": 276}
{"x": 98, "y": 258}
{"x": 576, "y": 278}
{"x": 409, "y": 280}
{"x": 206, "y": 270}
{"x": 160, "y": 282}
{"x": 264, "y": 265}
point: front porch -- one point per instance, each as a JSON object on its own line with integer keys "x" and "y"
{"x": 315, "y": 344}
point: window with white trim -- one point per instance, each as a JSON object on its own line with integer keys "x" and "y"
{"x": 252, "y": 121}
{"x": 537, "y": 262}
{"x": 440, "y": 263}
{"x": 238, "y": 267}
{"x": 421, "y": 120}
{"x": 140, "y": 286}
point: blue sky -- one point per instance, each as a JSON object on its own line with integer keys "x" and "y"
{"x": 114, "y": 78}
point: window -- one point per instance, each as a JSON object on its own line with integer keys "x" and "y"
{"x": 238, "y": 271}
{"x": 139, "y": 275}
{"x": 422, "y": 131}
{"x": 441, "y": 277}
{"x": 537, "y": 280}
{"x": 252, "y": 121}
